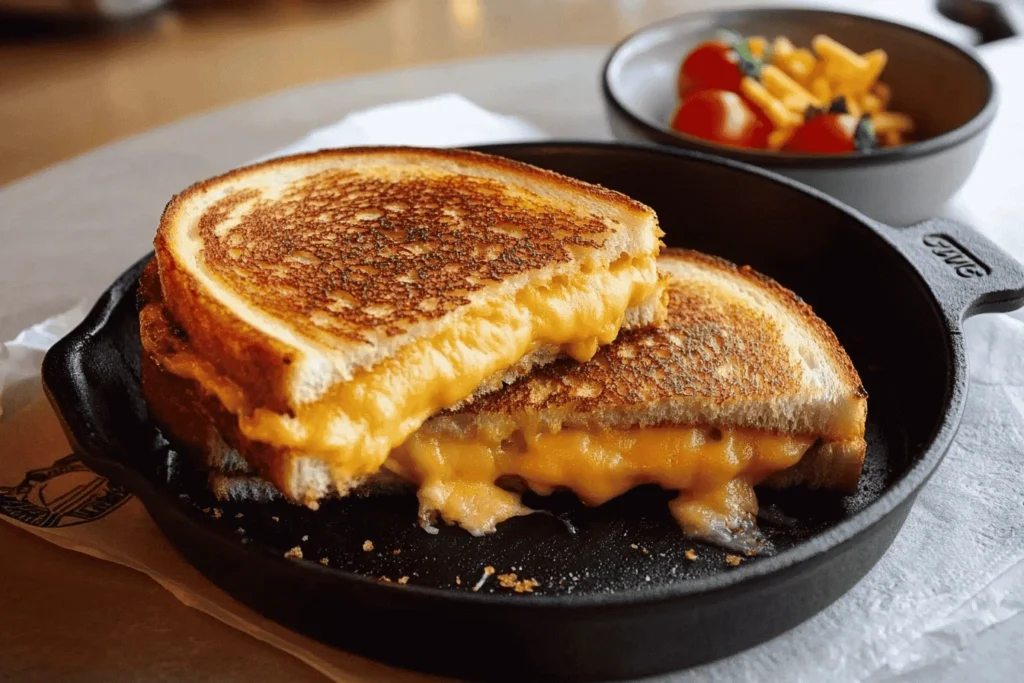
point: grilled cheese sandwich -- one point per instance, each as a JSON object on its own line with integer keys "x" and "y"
{"x": 742, "y": 385}
{"x": 334, "y": 302}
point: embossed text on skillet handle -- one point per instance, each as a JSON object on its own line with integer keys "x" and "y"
{"x": 965, "y": 270}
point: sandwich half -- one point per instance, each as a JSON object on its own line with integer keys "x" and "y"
{"x": 742, "y": 385}
{"x": 329, "y": 303}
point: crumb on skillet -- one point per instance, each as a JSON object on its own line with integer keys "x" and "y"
{"x": 295, "y": 553}
{"x": 367, "y": 546}
{"x": 488, "y": 571}
{"x": 518, "y": 585}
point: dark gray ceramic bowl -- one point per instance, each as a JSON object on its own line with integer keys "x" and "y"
{"x": 945, "y": 88}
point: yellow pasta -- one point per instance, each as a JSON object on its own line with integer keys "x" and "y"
{"x": 876, "y": 61}
{"x": 798, "y": 64}
{"x": 841, "y": 73}
{"x": 835, "y": 52}
{"x": 821, "y": 89}
{"x": 870, "y": 104}
{"x": 892, "y": 122}
{"x": 782, "y": 47}
{"x": 757, "y": 45}
{"x": 784, "y": 88}
{"x": 778, "y": 138}
{"x": 794, "y": 62}
{"x": 799, "y": 71}
{"x": 804, "y": 62}
{"x": 794, "y": 103}
{"x": 784, "y": 63}
{"x": 795, "y": 81}
{"x": 852, "y": 106}
{"x": 772, "y": 107}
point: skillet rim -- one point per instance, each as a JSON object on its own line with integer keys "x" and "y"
{"x": 70, "y": 350}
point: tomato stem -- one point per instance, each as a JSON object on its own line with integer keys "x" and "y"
{"x": 749, "y": 65}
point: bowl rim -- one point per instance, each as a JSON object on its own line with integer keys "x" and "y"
{"x": 917, "y": 149}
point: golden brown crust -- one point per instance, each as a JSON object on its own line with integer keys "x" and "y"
{"x": 255, "y": 362}
{"x": 192, "y": 415}
{"x": 411, "y": 261}
{"x": 834, "y": 465}
{"x": 342, "y": 253}
{"x": 476, "y": 158}
{"x": 684, "y": 358}
{"x": 800, "y": 308}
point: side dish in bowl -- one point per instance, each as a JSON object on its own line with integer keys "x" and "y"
{"x": 761, "y": 94}
{"x": 929, "y": 101}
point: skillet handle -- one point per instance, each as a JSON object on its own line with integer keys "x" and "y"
{"x": 966, "y": 271}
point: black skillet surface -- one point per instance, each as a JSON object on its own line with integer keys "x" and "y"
{"x": 617, "y": 596}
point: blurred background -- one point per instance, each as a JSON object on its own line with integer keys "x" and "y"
{"x": 75, "y": 74}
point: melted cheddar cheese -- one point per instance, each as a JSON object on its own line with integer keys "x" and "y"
{"x": 715, "y": 471}
{"x": 355, "y": 426}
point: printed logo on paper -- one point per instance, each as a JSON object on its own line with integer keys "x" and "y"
{"x": 64, "y": 494}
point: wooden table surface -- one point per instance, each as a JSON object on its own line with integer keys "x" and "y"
{"x": 63, "y": 96}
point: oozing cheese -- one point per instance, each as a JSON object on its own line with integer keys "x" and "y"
{"x": 355, "y": 426}
{"x": 715, "y": 471}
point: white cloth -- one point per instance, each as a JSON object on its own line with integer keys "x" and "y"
{"x": 448, "y": 120}
{"x": 956, "y": 569}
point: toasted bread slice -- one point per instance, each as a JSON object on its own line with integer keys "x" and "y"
{"x": 334, "y": 301}
{"x": 299, "y": 272}
{"x": 737, "y": 349}
{"x": 742, "y": 385}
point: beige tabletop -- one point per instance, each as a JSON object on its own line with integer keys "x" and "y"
{"x": 70, "y": 617}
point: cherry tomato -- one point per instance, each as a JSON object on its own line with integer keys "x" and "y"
{"x": 710, "y": 65}
{"x": 825, "y": 134}
{"x": 723, "y": 117}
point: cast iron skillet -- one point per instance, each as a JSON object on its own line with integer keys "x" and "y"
{"x": 617, "y": 596}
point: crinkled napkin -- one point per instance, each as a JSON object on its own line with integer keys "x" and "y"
{"x": 955, "y": 571}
